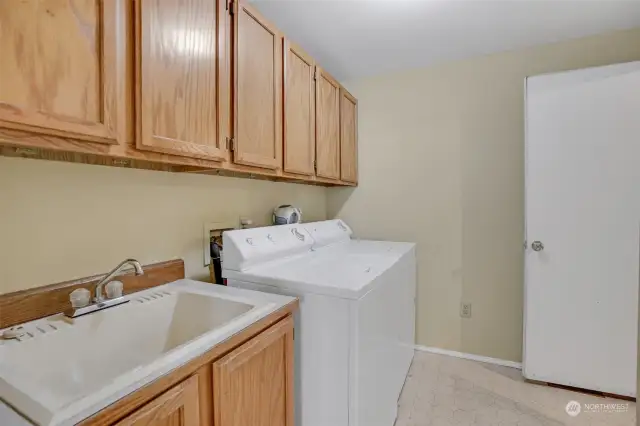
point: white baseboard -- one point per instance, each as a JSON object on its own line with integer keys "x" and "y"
{"x": 472, "y": 357}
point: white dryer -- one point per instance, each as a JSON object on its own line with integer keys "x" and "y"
{"x": 354, "y": 336}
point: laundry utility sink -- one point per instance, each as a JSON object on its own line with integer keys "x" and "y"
{"x": 64, "y": 367}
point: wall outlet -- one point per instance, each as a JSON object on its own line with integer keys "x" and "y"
{"x": 465, "y": 310}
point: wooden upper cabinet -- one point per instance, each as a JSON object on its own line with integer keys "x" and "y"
{"x": 179, "y": 406}
{"x": 258, "y": 90}
{"x": 253, "y": 385}
{"x": 327, "y": 126}
{"x": 182, "y": 77}
{"x": 348, "y": 137}
{"x": 299, "y": 110}
{"x": 63, "y": 67}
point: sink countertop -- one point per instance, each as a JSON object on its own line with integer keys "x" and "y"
{"x": 50, "y": 409}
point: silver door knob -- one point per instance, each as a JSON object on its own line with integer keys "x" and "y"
{"x": 537, "y": 246}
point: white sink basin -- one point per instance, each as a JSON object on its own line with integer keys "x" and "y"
{"x": 59, "y": 376}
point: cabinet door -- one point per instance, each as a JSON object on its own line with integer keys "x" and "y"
{"x": 327, "y": 126}
{"x": 179, "y": 406}
{"x": 181, "y": 77}
{"x": 348, "y": 137}
{"x": 299, "y": 110}
{"x": 253, "y": 385}
{"x": 258, "y": 90}
{"x": 63, "y": 68}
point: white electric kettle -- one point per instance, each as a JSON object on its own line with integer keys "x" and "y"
{"x": 283, "y": 215}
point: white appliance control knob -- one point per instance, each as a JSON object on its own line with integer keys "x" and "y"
{"x": 250, "y": 241}
{"x": 270, "y": 238}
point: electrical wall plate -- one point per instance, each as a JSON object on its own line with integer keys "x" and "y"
{"x": 210, "y": 227}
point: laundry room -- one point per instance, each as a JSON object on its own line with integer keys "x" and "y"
{"x": 319, "y": 212}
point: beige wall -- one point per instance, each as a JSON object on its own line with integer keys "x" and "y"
{"x": 60, "y": 221}
{"x": 441, "y": 163}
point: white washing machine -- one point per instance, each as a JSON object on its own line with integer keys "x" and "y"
{"x": 354, "y": 336}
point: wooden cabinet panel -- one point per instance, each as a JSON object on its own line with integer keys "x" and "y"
{"x": 179, "y": 406}
{"x": 63, "y": 68}
{"x": 299, "y": 111}
{"x": 181, "y": 77}
{"x": 327, "y": 126}
{"x": 253, "y": 385}
{"x": 258, "y": 90}
{"x": 348, "y": 137}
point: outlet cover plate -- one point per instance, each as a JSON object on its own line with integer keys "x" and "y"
{"x": 215, "y": 226}
{"x": 465, "y": 310}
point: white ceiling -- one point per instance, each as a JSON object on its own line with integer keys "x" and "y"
{"x": 356, "y": 38}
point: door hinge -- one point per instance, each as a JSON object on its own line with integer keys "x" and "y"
{"x": 315, "y": 73}
{"x": 315, "y": 166}
{"x": 231, "y": 144}
{"x": 231, "y": 7}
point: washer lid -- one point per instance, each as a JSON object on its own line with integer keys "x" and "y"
{"x": 327, "y": 272}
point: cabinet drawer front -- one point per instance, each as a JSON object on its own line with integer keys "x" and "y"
{"x": 258, "y": 101}
{"x": 327, "y": 126}
{"x": 179, "y": 72}
{"x": 299, "y": 111}
{"x": 179, "y": 406}
{"x": 63, "y": 68}
{"x": 253, "y": 385}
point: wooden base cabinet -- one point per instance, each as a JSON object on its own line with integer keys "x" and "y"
{"x": 179, "y": 406}
{"x": 249, "y": 384}
{"x": 253, "y": 385}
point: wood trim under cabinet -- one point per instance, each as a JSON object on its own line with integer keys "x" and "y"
{"x": 28, "y": 305}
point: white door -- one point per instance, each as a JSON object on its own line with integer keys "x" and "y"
{"x": 582, "y": 227}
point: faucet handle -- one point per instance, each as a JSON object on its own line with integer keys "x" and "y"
{"x": 114, "y": 289}
{"x": 80, "y": 297}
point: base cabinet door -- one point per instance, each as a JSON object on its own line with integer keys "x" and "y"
{"x": 253, "y": 385}
{"x": 179, "y": 406}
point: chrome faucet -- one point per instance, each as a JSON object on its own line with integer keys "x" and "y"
{"x": 99, "y": 301}
{"x": 99, "y": 298}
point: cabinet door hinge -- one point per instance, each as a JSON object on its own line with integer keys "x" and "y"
{"x": 315, "y": 166}
{"x": 231, "y": 7}
{"x": 231, "y": 144}
{"x": 315, "y": 73}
